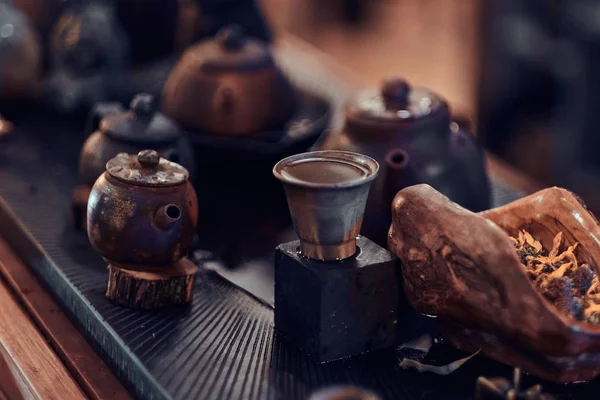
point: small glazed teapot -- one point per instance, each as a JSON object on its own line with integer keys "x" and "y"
{"x": 142, "y": 211}
{"x": 130, "y": 131}
{"x": 409, "y": 131}
{"x": 228, "y": 86}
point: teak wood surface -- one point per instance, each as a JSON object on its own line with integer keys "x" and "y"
{"x": 37, "y": 371}
{"x": 84, "y": 365}
{"x": 64, "y": 364}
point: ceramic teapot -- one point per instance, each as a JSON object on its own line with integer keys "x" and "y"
{"x": 409, "y": 131}
{"x": 89, "y": 57}
{"x": 228, "y": 86}
{"x": 142, "y": 211}
{"x": 122, "y": 131}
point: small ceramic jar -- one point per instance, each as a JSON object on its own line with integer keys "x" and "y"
{"x": 129, "y": 132}
{"x": 142, "y": 211}
{"x": 228, "y": 86}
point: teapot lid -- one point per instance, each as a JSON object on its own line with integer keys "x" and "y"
{"x": 146, "y": 168}
{"x": 231, "y": 50}
{"x": 396, "y": 103}
{"x": 142, "y": 123}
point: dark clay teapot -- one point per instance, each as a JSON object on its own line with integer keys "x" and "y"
{"x": 20, "y": 56}
{"x": 410, "y": 133}
{"x": 228, "y": 86}
{"x": 130, "y": 131}
{"x": 89, "y": 57}
{"x": 42, "y": 14}
{"x": 142, "y": 211}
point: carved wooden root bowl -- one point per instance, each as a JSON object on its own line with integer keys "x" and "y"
{"x": 463, "y": 268}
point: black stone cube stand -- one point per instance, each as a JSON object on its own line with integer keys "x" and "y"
{"x": 337, "y": 309}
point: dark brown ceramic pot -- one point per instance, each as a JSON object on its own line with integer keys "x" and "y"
{"x": 410, "y": 133}
{"x": 20, "y": 56}
{"x": 228, "y": 86}
{"x": 41, "y": 13}
{"x": 142, "y": 211}
{"x": 130, "y": 132}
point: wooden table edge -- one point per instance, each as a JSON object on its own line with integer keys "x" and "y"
{"x": 82, "y": 361}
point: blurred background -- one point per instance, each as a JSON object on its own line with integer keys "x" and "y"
{"x": 525, "y": 74}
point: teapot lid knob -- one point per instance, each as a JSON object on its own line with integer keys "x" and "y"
{"x": 231, "y": 38}
{"x": 148, "y": 158}
{"x": 395, "y": 93}
{"x": 143, "y": 104}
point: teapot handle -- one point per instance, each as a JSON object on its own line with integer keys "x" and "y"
{"x": 100, "y": 111}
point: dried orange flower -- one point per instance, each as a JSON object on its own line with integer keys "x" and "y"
{"x": 571, "y": 286}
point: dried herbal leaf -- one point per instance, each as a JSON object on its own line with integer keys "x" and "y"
{"x": 556, "y": 244}
{"x": 422, "y": 343}
{"x": 573, "y": 288}
{"x": 594, "y": 286}
{"x": 436, "y": 369}
{"x": 560, "y": 272}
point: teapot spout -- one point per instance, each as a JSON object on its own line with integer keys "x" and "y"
{"x": 398, "y": 174}
{"x": 167, "y": 216}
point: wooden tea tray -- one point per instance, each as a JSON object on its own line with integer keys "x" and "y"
{"x": 223, "y": 346}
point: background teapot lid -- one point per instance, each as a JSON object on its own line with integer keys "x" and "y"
{"x": 146, "y": 168}
{"x": 397, "y": 103}
{"x": 230, "y": 50}
{"x": 142, "y": 123}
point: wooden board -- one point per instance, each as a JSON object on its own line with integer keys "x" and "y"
{"x": 92, "y": 374}
{"x": 37, "y": 370}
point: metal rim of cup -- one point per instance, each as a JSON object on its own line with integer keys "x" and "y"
{"x": 347, "y": 156}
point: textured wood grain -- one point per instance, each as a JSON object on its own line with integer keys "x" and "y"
{"x": 462, "y": 267}
{"x": 9, "y": 388}
{"x": 92, "y": 374}
{"x": 152, "y": 288}
{"x": 37, "y": 369}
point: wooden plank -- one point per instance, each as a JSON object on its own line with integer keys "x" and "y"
{"x": 34, "y": 365}
{"x": 90, "y": 371}
{"x": 9, "y": 388}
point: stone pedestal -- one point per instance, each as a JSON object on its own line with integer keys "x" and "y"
{"x": 337, "y": 309}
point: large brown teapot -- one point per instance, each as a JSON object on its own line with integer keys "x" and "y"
{"x": 409, "y": 131}
{"x": 228, "y": 86}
